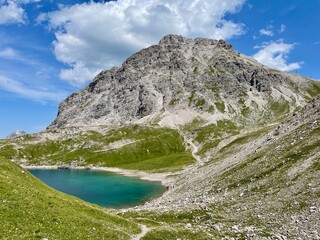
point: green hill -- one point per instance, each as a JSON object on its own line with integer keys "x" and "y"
{"x": 31, "y": 210}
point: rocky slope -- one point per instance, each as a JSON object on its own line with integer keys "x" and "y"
{"x": 261, "y": 185}
{"x": 180, "y": 79}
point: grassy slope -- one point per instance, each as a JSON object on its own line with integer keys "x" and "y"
{"x": 31, "y": 210}
{"x": 174, "y": 224}
{"x": 148, "y": 148}
{"x": 208, "y": 136}
{"x": 278, "y": 182}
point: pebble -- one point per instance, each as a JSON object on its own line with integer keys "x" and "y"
{"x": 235, "y": 228}
{"x": 313, "y": 209}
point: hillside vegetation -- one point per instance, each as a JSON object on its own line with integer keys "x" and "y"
{"x": 133, "y": 147}
{"x": 30, "y": 209}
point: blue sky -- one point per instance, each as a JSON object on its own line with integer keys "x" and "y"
{"x": 50, "y": 49}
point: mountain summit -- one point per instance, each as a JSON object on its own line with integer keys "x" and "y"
{"x": 181, "y": 79}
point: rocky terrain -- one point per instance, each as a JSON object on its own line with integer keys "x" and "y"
{"x": 262, "y": 185}
{"x": 237, "y": 141}
{"x": 180, "y": 79}
{"x": 17, "y": 133}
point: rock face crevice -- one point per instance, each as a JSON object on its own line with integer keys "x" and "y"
{"x": 203, "y": 76}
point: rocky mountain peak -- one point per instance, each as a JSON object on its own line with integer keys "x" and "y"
{"x": 173, "y": 39}
{"x": 178, "y": 40}
{"x": 181, "y": 79}
{"x": 17, "y": 133}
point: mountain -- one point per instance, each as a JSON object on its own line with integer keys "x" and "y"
{"x": 180, "y": 79}
{"x": 17, "y": 133}
{"x": 237, "y": 144}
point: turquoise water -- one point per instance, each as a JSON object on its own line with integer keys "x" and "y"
{"x": 103, "y": 188}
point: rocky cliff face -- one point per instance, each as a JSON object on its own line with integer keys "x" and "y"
{"x": 181, "y": 79}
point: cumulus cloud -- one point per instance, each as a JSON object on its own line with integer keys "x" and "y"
{"x": 41, "y": 95}
{"x": 94, "y": 36}
{"x": 11, "y": 11}
{"x": 227, "y": 30}
{"x": 275, "y": 55}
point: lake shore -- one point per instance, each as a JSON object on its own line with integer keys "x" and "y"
{"x": 158, "y": 177}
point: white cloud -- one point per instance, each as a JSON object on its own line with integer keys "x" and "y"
{"x": 25, "y": 1}
{"x": 78, "y": 73}
{"x": 8, "y": 53}
{"x": 268, "y": 31}
{"x": 41, "y": 95}
{"x": 275, "y": 55}
{"x": 227, "y": 30}
{"x": 11, "y": 11}
{"x": 94, "y": 36}
{"x": 282, "y": 28}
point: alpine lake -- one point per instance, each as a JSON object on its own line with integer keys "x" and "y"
{"x": 103, "y": 188}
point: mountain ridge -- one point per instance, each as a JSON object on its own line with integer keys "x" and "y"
{"x": 165, "y": 83}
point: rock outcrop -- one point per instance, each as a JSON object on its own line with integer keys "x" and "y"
{"x": 17, "y": 133}
{"x": 180, "y": 79}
